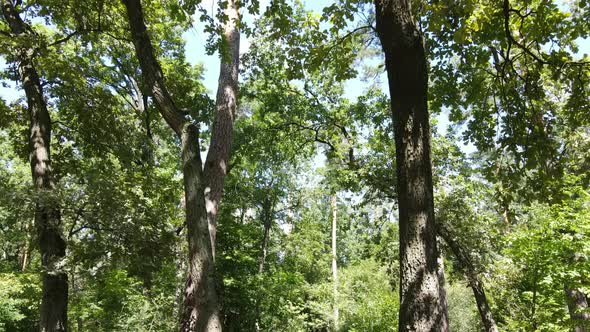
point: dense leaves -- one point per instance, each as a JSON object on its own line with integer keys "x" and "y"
{"x": 509, "y": 90}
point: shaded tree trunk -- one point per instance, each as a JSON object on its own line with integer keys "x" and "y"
{"x": 421, "y": 307}
{"x": 577, "y": 304}
{"x": 441, "y": 280}
{"x": 217, "y": 162}
{"x": 52, "y": 245}
{"x": 201, "y": 306}
{"x": 267, "y": 214}
{"x": 475, "y": 283}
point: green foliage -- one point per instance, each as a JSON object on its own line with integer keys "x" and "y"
{"x": 19, "y": 301}
{"x": 463, "y": 315}
{"x": 520, "y": 205}
{"x": 549, "y": 253}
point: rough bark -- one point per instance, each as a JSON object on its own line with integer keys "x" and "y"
{"x": 334, "y": 263}
{"x": 441, "y": 280}
{"x": 52, "y": 245}
{"x": 201, "y": 306}
{"x": 217, "y": 162}
{"x": 405, "y": 61}
{"x": 577, "y": 304}
{"x": 475, "y": 283}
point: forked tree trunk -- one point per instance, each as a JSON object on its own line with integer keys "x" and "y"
{"x": 201, "y": 306}
{"x": 421, "y": 307}
{"x": 54, "y": 304}
{"x": 475, "y": 283}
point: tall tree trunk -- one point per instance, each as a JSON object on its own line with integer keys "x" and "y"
{"x": 577, "y": 304}
{"x": 201, "y": 306}
{"x": 217, "y": 163}
{"x": 267, "y": 214}
{"x": 53, "y": 311}
{"x": 421, "y": 307}
{"x": 475, "y": 283}
{"x": 26, "y": 248}
{"x": 334, "y": 262}
{"x": 441, "y": 280}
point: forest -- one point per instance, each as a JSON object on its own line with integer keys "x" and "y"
{"x": 292, "y": 165}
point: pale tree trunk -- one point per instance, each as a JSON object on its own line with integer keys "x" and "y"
{"x": 26, "y": 248}
{"x": 421, "y": 307}
{"x": 217, "y": 163}
{"x": 201, "y": 306}
{"x": 577, "y": 304}
{"x": 334, "y": 262}
{"x": 52, "y": 245}
{"x": 475, "y": 283}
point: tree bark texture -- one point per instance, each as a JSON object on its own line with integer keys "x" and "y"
{"x": 217, "y": 162}
{"x": 475, "y": 283}
{"x": 52, "y": 245}
{"x": 201, "y": 305}
{"x": 405, "y": 61}
{"x": 577, "y": 304}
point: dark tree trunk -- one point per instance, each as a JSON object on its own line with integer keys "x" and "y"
{"x": 475, "y": 283}
{"x": 201, "y": 306}
{"x": 421, "y": 306}
{"x": 577, "y": 304}
{"x": 53, "y": 311}
{"x": 268, "y": 207}
{"x": 264, "y": 246}
{"x": 217, "y": 163}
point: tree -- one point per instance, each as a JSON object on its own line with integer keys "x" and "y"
{"x": 201, "y": 305}
{"x": 421, "y": 307}
{"x": 53, "y": 311}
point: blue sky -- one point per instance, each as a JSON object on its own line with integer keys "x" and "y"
{"x": 196, "y": 40}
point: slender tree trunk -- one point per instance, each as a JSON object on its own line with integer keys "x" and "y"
{"x": 441, "y": 280}
{"x": 217, "y": 163}
{"x": 26, "y": 248}
{"x": 334, "y": 263}
{"x": 475, "y": 283}
{"x": 421, "y": 307}
{"x": 577, "y": 304}
{"x": 267, "y": 221}
{"x": 53, "y": 311}
{"x": 201, "y": 306}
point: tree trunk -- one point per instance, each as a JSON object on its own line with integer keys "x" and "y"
{"x": 421, "y": 307}
{"x": 475, "y": 283}
{"x": 334, "y": 263}
{"x": 267, "y": 214}
{"x": 201, "y": 306}
{"x": 52, "y": 245}
{"x": 441, "y": 280}
{"x": 264, "y": 248}
{"x": 217, "y": 163}
{"x": 577, "y": 304}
